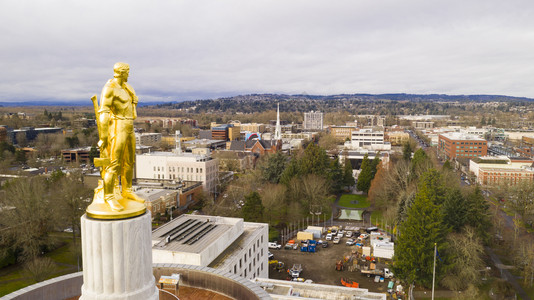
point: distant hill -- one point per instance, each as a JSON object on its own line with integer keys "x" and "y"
{"x": 294, "y": 98}
{"x": 355, "y": 103}
{"x": 63, "y": 103}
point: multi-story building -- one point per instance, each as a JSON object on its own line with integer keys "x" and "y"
{"x": 342, "y": 132}
{"x": 423, "y": 124}
{"x": 225, "y": 132}
{"x": 496, "y": 170}
{"x": 162, "y": 197}
{"x": 30, "y": 133}
{"x": 251, "y": 127}
{"x": 79, "y": 155}
{"x": 369, "y": 139}
{"x": 184, "y": 166}
{"x": 455, "y": 144}
{"x": 202, "y": 241}
{"x": 397, "y": 138}
{"x": 147, "y": 138}
{"x": 313, "y": 121}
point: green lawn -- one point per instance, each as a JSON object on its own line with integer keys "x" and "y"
{"x": 14, "y": 277}
{"x": 346, "y": 200}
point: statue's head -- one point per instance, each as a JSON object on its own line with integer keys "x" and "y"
{"x": 121, "y": 69}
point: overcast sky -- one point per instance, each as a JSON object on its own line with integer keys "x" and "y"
{"x": 183, "y": 50}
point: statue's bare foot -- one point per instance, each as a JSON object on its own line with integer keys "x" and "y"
{"x": 114, "y": 204}
{"x": 128, "y": 194}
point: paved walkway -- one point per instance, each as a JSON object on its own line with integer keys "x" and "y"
{"x": 506, "y": 275}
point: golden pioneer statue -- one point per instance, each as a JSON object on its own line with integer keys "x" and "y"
{"x": 115, "y": 119}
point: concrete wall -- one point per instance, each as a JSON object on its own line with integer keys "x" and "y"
{"x": 58, "y": 288}
{"x": 230, "y": 285}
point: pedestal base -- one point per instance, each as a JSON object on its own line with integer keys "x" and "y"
{"x": 117, "y": 259}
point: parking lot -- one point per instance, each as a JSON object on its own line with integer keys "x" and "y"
{"x": 321, "y": 266}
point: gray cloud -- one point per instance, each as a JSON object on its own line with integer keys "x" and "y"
{"x": 179, "y": 50}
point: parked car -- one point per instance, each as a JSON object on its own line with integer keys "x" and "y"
{"x": 275, "y": 245}
{"x": 336, "y": 240}
{"x": 348, "y": 234}
{"x": 350, "y": 242}
{"x": 325, "y": 245}
{"x": 363, "y": 236}
{"x": 329, "y": 237}
{"x": 341, "y": 231}
{"x": 270, "y": 255}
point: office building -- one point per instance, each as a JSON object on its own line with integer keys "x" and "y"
{"x": 455, "y": 144}
{"x": 313, "y": 121}
{"x": 227, "y": 244}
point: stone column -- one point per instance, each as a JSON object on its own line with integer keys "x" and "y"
{"x": 117, "y": 259}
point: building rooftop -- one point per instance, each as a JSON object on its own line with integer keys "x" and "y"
{"x": 237, "y": 245}
{"x": 279, "y": 289}
{"x": 462, "y": 136}
{"x": 186, "y": 156}
{"x": 151, "y": 194}
{"x": 190, "y": 233}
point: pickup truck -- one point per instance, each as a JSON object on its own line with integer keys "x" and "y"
{"x": 275, "y": 245}
{"x": 386, "y": 273}
{"x": 295, "y": 271}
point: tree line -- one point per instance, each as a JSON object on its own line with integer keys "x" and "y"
{"x": 31, "y": 208}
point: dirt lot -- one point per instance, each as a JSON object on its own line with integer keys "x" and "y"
{"x": 320, "y": 266}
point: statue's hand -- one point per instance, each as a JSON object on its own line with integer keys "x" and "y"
{"x": 102, "y": 144}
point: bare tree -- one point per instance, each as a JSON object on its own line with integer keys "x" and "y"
{"x": 466, "y": 254}
{"x": 29, "y": 216}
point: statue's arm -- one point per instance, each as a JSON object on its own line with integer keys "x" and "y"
{"x": 105, "y": 109}
{"x": 135, "y": 99}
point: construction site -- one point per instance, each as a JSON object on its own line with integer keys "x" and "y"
{"x": 360, "y": 258}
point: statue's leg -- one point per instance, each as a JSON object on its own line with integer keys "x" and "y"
{"x": 112, "y": 170}
{"x": 128, "y": 171}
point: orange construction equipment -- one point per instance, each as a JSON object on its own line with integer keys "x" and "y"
{"x": 339, "y": 265}
{"x": 349, "y": 283}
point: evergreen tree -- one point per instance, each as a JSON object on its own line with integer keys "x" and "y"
{"x": 275, "y": 166}
{"x": 314, "y": 160}
{"x": 407, "y": 151}
{"x": 336, "y": 175}
{"x": 454, "y": 212}
{"x": 432, "y": 181}
{"x": 420, "y": 163}
{"x": 364, "y": 179}
{"x": 348, "y": 178}
{"x": 253, "y": 208}
{"x": 291, "y": 171}
{"x": 478, "y": 215}
{"x": 414, "y": 250}
{"x": 374, "y": 166}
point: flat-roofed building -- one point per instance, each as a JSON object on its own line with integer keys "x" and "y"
{"x": 174, "y": 166}
{"x": 226, "y": 244}
{"x": 455, "y": 144}
{"x": 423, "y": 124}
{"x": 497, "y": 170}
{"x": 397, "y": 138}
{"x": 150, "y": 138}
{"x": 342, "y": 132}
{"x": 313, "y": 121}
{"x": 369, "y": 139}
{"x": 78, "y": 155}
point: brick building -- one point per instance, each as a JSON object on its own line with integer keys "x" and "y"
{"x": 454, "y": 144}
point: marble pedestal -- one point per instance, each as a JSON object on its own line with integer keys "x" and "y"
{"x": 117, "y": 259}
